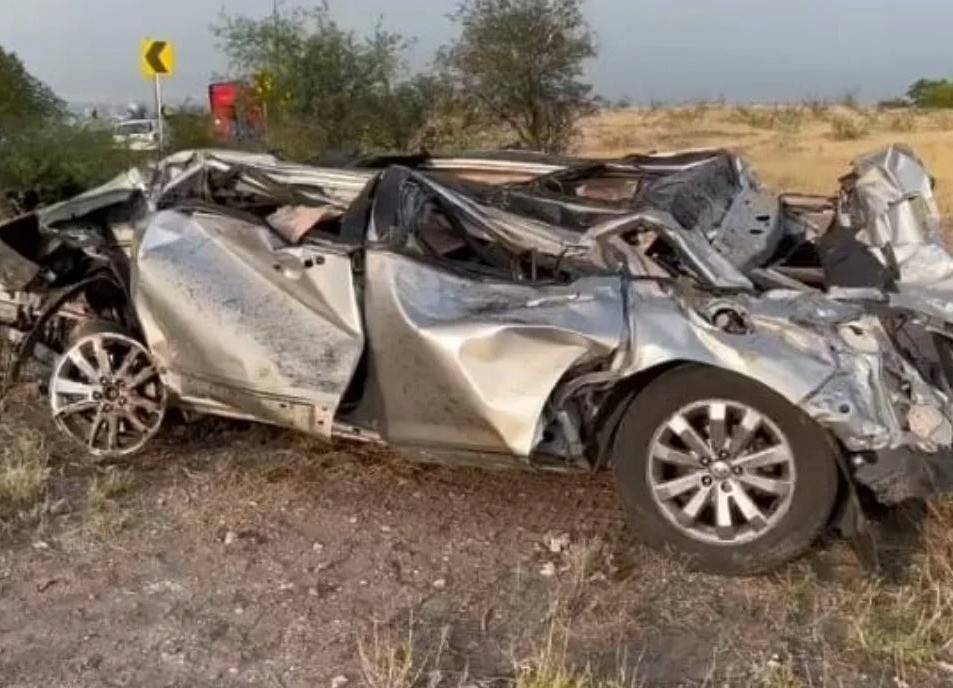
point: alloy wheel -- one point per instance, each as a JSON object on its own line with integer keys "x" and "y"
{"x": 721, "y": 471}
{"x": 106, "y": 394}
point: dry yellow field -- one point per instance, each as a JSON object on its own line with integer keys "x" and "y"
{"x": 796, "y": 147}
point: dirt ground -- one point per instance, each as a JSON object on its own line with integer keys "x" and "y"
{"x": 232, "y": 555}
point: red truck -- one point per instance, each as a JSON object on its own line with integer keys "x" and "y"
{"x": 237, "y": 112}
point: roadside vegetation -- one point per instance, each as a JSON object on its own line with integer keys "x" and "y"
{"x": 328, "y": 89}
{"x": 41, "y": 152}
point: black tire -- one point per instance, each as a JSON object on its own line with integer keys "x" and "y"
{"x": 815, "y": 486}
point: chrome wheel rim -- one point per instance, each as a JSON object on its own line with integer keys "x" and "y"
{"x": 106, "y": 394}
{"x": 721, "y": 472}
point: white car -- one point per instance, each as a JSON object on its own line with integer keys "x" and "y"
{"x": 137, "y": 134}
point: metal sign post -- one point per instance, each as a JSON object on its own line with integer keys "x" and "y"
{"x": 161, "y": 124}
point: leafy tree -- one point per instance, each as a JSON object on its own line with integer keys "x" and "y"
{"x": 520, "y": 62}
{"x": 327, "y": 88}
{"x": 22, "y": 96}
{"x": 41, "y": 155}
{"x": 935, "y": 93}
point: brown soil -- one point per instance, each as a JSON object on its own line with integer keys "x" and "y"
{"x": 231, "y": 555}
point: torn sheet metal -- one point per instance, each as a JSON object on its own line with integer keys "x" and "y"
{"x": 831, "y": 359}
{"x": 891, "y": 202}
{"x": 245, "y": 325}
{"x": 343, "y": 185}
{"x": 117, "y": 190}
{"x": 467, "y": 364}
{"x": 403, "y": 195}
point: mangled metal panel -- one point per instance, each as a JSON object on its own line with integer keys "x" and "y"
{"x": 698, "y": 196}
{"x": 257, "y": 173}
{"x": 891, "y": 204}
{"x": 698, "y": 255}
{"x": 470, "y": 363}
{"x": 831, "y": 359}
{"x": 120, "y": 189}
{"x": 343, "y": 185}
{"x": 244, "y": 324}
{"x": 106, "y": 202}
{"x": 403, "y": 194}
{"x": 557, "y": 209}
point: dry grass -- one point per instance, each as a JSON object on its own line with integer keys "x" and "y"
{"x": 902, "y": 122}
{"x": 911, "y": 625}
{"x": 809, "y": 157}
{"x": 830, "y": 625}
{"x": 390, "y": 659}
{"x": 778, "y": 674}
{"x": 24, "y": 471}
{"x": 398, "y": 659}
{"x": 106, "y": 516}
{"x": 847, "y": 128}
{"x": 787, "y": 118}
{"x": 550, "y": 667}
{"x": 109, "y": 486}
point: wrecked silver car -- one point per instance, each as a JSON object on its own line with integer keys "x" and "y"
{"x": 664, "y": 315}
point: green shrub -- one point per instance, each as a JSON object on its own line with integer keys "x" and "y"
{"x": 190, "y": 128}
{"x": 931, "y": 93}
{"x": 59, "y": 160}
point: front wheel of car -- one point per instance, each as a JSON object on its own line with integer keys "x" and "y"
{"x": 106, "y": 392}
{"x": 723, "y": 470}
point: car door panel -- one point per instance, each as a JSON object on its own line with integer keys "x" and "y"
{"x": 471, "y": 362}
{"x": 245, "y": 325}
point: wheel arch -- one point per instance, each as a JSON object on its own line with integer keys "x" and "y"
{"x": 622, "y": 394}
{"x": 629, "y": 388}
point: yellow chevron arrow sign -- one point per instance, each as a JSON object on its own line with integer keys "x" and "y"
{"x": 156, "y": 58}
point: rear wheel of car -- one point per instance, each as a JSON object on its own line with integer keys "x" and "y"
{"x": 724, "y": 471}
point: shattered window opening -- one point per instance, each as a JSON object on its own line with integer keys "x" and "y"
{"x": 427, "y": 224}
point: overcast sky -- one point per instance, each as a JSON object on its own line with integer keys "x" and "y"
{"x": 670, "y": 50}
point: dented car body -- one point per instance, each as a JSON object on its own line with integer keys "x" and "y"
{"x": 418, "y": 304}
